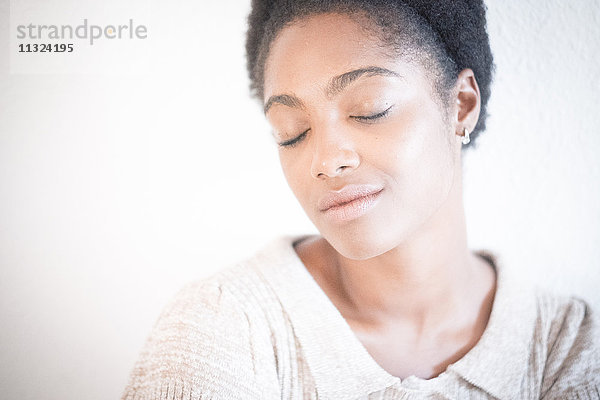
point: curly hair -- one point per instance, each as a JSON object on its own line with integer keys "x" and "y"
{"x": 444, "y": 36}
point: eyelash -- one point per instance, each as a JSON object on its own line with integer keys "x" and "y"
{"x": 293, "y": 142}
{"x": 373, "y": 117}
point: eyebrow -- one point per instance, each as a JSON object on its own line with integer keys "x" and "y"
{"x": 333, "y": 88}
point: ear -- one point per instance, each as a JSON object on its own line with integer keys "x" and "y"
{"x": 468, "y": 100}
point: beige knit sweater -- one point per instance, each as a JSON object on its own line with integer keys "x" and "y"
{"x": 264, "y": 329}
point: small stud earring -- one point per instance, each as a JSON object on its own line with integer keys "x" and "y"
{"x": 466, "y": 138}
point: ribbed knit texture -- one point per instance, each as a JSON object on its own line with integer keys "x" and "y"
{"x": 264, "y": 329}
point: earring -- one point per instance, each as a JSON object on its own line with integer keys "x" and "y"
{"x": 466, "y": 138}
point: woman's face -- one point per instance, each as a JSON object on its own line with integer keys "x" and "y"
{"x": 377, "y": 130}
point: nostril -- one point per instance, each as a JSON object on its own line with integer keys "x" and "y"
{"x": 338, "y": 171}
{"x": 333, "y": 164}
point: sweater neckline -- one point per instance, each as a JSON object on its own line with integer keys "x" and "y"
{"x": 343, "y": 368}
{"x": 411, "y": 380}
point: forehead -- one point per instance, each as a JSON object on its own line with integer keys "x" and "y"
{"x": 314, "y": 49}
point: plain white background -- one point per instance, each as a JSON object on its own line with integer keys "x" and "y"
{"x": 118, "y": 185}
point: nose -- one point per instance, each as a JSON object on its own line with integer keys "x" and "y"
{"x": 333, "y": 155}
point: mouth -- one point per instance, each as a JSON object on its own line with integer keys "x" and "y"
{"x": 350, "y": 203}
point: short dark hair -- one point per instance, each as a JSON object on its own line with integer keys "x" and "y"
{"x": 446, "y": 36}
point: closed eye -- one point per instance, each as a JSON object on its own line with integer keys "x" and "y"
{"x": 366, "y": 118}
{"x": 372, "y": 117}
{"x": 293, "y": 142}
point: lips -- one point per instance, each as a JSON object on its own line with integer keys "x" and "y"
{"x": 347, "y": 194}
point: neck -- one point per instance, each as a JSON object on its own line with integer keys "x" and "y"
{"x": 421, "y": 281}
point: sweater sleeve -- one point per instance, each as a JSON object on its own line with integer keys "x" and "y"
{"x": 201, "y": 347}
{"x": 572, "y": 368}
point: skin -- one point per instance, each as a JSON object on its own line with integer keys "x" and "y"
{"x": 401, "y": 275}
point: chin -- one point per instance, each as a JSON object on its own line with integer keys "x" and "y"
{"x": 357, "y": 242}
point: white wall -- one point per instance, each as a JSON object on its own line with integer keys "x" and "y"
{"x": 532, "y": 190}
{"x": 116, "y": 188}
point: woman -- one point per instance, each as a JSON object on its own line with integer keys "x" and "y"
{"x": 371, "y": 104}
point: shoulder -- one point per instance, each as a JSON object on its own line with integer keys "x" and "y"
{"x": 568, "y": 338}
{"x": 206, "y": 342}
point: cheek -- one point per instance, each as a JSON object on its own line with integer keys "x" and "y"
{"x": 417, "y": 159}
{"x": 401, "y": 148}
{"x": 296, "y": 173}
